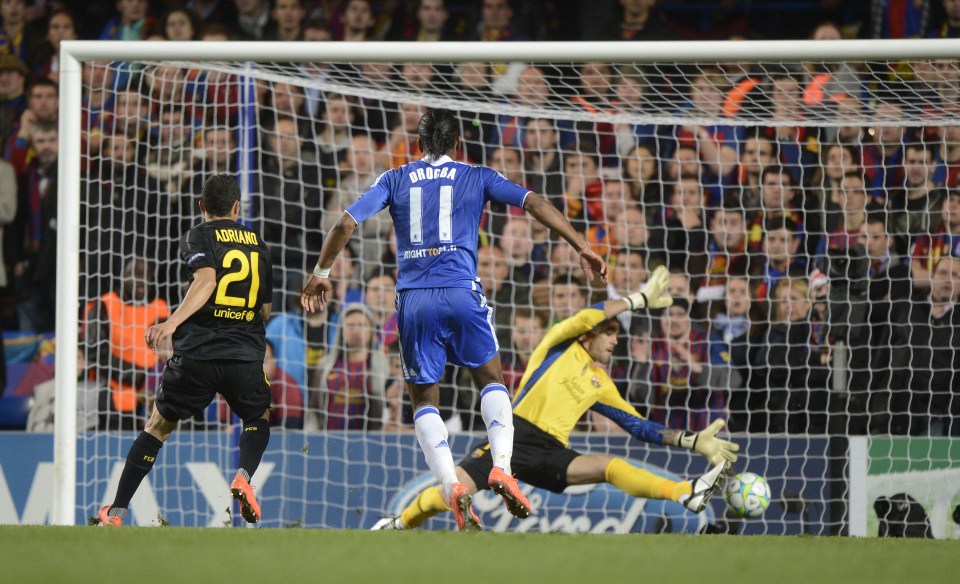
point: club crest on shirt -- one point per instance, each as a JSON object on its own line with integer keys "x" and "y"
{"x": 596, "y": 381}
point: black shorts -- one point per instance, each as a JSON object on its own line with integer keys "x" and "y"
{"x": 539, "y": 459}
{"x": 188, "y": 387}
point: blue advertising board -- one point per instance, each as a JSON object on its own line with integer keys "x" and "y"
{"x": 351, "y": 479}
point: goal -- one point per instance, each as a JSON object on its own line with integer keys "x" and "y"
{"x": 801, "y": 193}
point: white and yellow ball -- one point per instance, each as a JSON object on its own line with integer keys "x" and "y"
{"x": 747, "y": 494}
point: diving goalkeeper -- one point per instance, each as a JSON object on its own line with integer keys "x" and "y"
{"x": 562, "y": 381}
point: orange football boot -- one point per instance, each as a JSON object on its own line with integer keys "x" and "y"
{"x": 506, "y": 486}
{"x": 462, "y": 505}
{"x": 108, "y": 520}
{"x": 243, "y": 492}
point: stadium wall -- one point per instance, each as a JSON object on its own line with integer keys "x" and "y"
{"x": 376, "y": 474}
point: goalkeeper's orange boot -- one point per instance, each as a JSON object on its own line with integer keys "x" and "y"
{"x": 462, "y": 505}
{"x": 108, "y": 520}
{"x": 243, "y": 492}
{"x": 506, "y": 486}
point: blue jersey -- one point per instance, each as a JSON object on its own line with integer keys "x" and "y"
{"x": 436, "y": 208}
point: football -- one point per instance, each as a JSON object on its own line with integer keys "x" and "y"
{"x": 747, "y": 494}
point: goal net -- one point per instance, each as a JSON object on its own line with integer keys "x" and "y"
{"x": 806, "y": 209}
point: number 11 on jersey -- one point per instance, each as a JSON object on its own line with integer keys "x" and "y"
{"x": 445, "y": 223}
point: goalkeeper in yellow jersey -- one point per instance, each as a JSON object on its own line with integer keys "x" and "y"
{"x": 562, "y": 381}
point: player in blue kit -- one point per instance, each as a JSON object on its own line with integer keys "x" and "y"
{"x": 436, "y": 204}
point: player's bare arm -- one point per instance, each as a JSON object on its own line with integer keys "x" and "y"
{"x": 265, "y": 311}
{"x": 548, "y": 215}
{"x": 203, "y": 285}
{"x": 316, "y": 293}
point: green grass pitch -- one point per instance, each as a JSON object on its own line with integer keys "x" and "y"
{"x": 208, "y": 556}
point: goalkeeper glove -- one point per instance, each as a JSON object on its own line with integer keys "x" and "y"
{"x": 654, "y": 292}
{"x": 716, "y": 450}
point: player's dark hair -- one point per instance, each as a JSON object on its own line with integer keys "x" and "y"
{"x": 220, "y": 192}
{"x": 438, "y": 131}
{"x": 609, "y": 326}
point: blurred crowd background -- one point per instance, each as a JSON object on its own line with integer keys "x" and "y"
{"x": 814, "y": 252}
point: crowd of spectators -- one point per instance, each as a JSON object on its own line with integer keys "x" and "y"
{"x": 815, "y": 268}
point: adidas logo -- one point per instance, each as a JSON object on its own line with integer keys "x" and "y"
{"x": 442, "y": 444}
{"x": 494, "y": 424}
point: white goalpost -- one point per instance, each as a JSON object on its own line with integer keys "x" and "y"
{"x": 127, "y": 187}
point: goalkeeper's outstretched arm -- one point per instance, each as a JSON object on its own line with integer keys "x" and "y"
{"x": 705, "y": 442}
{"x": 652, "y": 295}
{"x": 716, "y": 450}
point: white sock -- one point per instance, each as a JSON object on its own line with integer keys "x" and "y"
{"x": 497, "y": 415}
{"x": 432, "y": 435}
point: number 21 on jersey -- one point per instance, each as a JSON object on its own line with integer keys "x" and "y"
{"x": 249, "y": 267}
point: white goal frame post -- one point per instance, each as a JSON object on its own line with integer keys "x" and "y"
{"x": 74, "y": 53}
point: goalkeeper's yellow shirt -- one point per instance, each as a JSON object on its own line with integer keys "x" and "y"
{"x": 561, "y": 383}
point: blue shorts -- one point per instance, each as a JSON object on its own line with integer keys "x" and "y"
{"x": 441, "y": 325}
